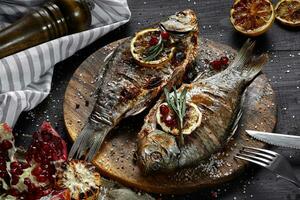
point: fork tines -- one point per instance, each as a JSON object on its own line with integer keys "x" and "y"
{"x": 261, "y": 157}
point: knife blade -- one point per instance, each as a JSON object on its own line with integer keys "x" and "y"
{"x": 282, "y": 140}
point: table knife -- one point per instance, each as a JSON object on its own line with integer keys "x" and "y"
{"x": 291, "y": 141}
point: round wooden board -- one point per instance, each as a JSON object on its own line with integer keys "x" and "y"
{"x": 116, "y": 157}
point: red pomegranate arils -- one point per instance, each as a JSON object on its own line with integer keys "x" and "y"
{"x": 219, "y": 63}
{"x": 164, "y": 110}
{"x": 47, "y": 147}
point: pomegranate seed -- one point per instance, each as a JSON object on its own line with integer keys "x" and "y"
{"x": 170, "y": 122}
{"x": 16, "y": 171}
{"x": 41, "y": 178}
{"x": 14, "y": 180}
{"x": 3, "y": 158}
{"x": 2, "y": 168}
{"x": 46, "y": 148}
{"x": 45, "y": 173}
{"x": 31, "y": 187}
{"x": 164, "y": 110}
{"x": 24, "y": 165}
{"x": 6, "y": 144}
{"x": 37, "y": 171}
{"x": 165, "y": 35}
{"x": 216, "y": 64}
{"x": 47, "y": 137}
{"x": 13, "y": 170}
{"x": 2, "y": 174}
{"x": 27, "y": 181}
{"x": 14, "y": 192}
{"x": 38, "y": 158}
{"x": 224, "y": 60}
{"x": 14, "y": 164}
{"x": 54, "y": 156}
{"x": 153, "y": 41}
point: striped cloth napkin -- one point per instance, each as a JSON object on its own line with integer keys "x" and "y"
{"x": 25, "y": 77}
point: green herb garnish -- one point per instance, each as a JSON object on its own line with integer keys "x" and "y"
{"x": 155, "y": 50}
{"x": 178, "y": 105}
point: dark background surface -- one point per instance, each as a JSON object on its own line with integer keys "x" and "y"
{"x": 283, "y": 72}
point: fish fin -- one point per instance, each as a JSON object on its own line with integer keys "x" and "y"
{"x": 108, "y": 56}
{"x": 80, "y": 141}
{"x": 243, "y": 56}
{"x": 255, "y": 67}
{"x": 238, "y": 115}
{"x": 77, "y": 149}
{"x": 96, "y": 143}
{"x": 251, "y": 70}
{"x": 135, "y": 111}
{"x": 89, "y": 141}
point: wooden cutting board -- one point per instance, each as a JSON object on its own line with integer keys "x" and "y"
{"x": 116, "y": 157}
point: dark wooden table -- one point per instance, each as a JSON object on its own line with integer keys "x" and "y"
{"x": 283, "y": 72}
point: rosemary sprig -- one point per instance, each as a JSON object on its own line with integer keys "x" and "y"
{"x": 155, "y": 50}
{"x": 178, "y": 105}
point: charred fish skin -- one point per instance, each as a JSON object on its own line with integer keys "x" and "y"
{"x": 217, "y": 98}
{"x": 126, "y": 89}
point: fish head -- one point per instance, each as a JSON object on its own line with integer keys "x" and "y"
{"x": 158, "y": 151}
{"x": 181, "y": 22}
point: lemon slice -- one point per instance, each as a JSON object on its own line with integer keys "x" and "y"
{"x": 252, "y": 17}
{"x": 288, "y": 12}
{"x": 140, "y": 45}
{"x": 167, "y": 119}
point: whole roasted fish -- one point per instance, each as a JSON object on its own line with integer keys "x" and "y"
{"x": 126, "y": 88}
{"x": 216, "y": 98}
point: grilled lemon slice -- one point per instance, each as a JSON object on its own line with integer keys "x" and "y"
{"x": 141, "y": 45}
{"x": 166, "y": 118}
{"x": 252, "y": 17}
{"x": 288, "y": 12}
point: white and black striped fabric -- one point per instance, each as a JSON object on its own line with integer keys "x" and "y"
{"x": 25, "y": 77}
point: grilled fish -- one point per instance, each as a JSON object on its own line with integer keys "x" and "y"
{"x": 125, "y": 88}
{"x": 217, "y": 98}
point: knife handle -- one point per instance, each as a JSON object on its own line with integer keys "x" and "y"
{"x": 54, "y": 19}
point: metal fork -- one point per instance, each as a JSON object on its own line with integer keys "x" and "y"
{"x": 271, "y": 160}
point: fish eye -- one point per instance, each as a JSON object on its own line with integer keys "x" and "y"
{"x": 155, "y": 166}
{"x": 181, "y": 14}
{"x": 156, "y": 156}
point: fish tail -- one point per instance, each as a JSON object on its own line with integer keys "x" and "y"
{"x": 89, "y": 141}
{"x": 255, "y": 67}
{"x": 240, "y": 63}
{"x": 95, "y": 143}
{"x": 80, "y": 144}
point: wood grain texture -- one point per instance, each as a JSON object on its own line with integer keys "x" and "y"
{"x": 116, "y": 157}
